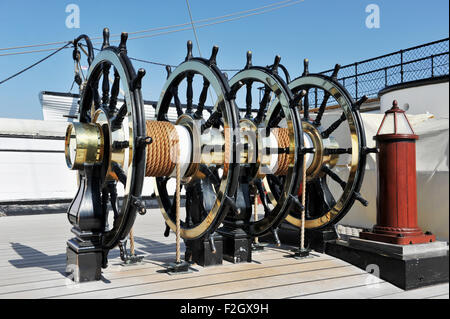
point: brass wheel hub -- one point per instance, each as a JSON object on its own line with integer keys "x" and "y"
{"x": 83, "y": 145}
{"x": 313, "y": 138}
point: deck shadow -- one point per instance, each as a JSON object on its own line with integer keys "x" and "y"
{"x": 31, "y": 258}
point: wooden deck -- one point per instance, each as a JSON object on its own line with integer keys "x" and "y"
{"x": 32, "y": 265}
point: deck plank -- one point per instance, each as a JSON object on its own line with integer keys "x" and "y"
{"x": 119, "y": 273}
{"x": 420, "y": 293}
{"x": 161, "y": 282}
{"x": 32, "y": 265}
{"x": 366, "y": 288}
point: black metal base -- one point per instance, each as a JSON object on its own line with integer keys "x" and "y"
{"x": 201, "y": 252}
{"x": 314, "y": 239}
{"x": 409, "y": 272}
{"x": 133, "y": 260}
{"x": 175, "y": 268}
{"x": 83, "y": 261}
{"x": 258, "y": 246}
{"x": 237, "y": 245}
{"x": 300, "y": 253}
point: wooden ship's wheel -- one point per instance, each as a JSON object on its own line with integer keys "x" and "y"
{"x": 272, "y": 135}
{"x": 335, "y": 131}
{"x": 114, "y": 149}
{"x": 107, "y": 148}
{"x": 210, "y": 174}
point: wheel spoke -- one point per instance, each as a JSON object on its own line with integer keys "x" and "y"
{"x": 334, "y": 176}
{"x": 173, "y": 207}
{"x": 306, "y": 106}
{"x": 274, "y": 121}
{"x": 201, "y": 102}
{"x": 277, "y": 185}
{"x": 121, "y": 176}
{"x": 334, "y": 126}
{"x": 262, "y": 106}
{"x": 262, "y": 195}
{"x": 319, "y": 198}
{"x": 328, "y": 197}
{"x": 105, "y": 84}
{"x": 114, "y": 92}
{"x": 332, "y": 151}
{"x": 116, "y": 122}
{"x": 248, "y": 100}
{"x": 189, "y": 92}
{"x": 209, "y": 174}
{"x": 212, "y": 120}
{"x": 176, "y": 100}
{"x": 95, "y": 94}
{"x": 343, "y": 184}
{"x": 317, "y": 121}
{"x": 112, "y": 190}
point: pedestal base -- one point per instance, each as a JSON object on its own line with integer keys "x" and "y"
{"x": 398, "y": 239}
{"x": 407, "y": 267}
{"x": 83, "y": 261}
{"x": 237, "y": 245}
{"x": 314, "y": 239}
{"x": 202, "y": 253}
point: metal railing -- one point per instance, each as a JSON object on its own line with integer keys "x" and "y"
{"x": 416, "y": 63}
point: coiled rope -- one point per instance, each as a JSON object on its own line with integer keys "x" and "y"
{"x": 282, "y": 136}
{"x": 161, "y": 154}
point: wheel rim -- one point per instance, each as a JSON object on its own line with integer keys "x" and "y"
{"x": 281, "y": 103}
{"x": 100, "y": 109}
{"x": 212, "y": 213}
{"x": 318, "y": 182}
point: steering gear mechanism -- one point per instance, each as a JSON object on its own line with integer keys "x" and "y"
{"x": 224, "y": 160}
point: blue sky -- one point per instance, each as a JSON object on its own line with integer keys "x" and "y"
{"x": 325, "y": 31}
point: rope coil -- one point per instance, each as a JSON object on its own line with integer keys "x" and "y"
{"x": 282, "y": 136}
{"x": 161, "y": 153}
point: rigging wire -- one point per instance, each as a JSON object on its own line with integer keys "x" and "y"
{"x": 154, "y": 29}
{"x": 193, "y": 28}
{"x": 213, "y": 23}
{"x": 198, "y": 45}
{"x": 260, "y": 10}
{"x": 36, "y": 63}
{"x": 267, "y": 8}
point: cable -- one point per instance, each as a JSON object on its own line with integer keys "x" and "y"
{"x": 193, "y": 27}
{"x": 210, "y": 19}
{"x": 198, "y": 46}
{"x": 26, "y": 52}
{"x": 151, "y": 62}
{"x": 34, "y": 64}
{"x": 154, "y": 29}
{"x": 287, "y": 3}
{"x": 275, "y": 6}
{"x": 213, "y": 23}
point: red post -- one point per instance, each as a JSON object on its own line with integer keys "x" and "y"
{"x": 397, "y": 189}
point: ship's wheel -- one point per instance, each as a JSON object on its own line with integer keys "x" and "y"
{"x": 210, "y": 175}
{"x": 107, "y": 147}
{"x": 334, "y": 129}
{"x": 273, "y": 136}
